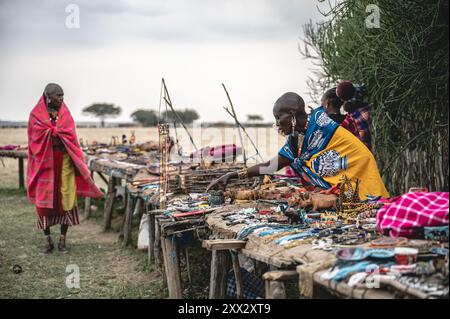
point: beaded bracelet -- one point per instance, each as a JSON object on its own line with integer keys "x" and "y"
{"x": 242, "y": 173}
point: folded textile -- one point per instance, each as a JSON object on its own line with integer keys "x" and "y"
{"x": 410, "y": 213}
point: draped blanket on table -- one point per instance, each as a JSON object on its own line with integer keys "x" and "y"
{"x": 408, "y": 214}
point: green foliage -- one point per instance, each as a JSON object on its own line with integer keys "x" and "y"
{"x": 404, "y": 64}
{"x": 145, "y": 117}
{"x": 187, "y": 115}
{"x": 102, "y": 111}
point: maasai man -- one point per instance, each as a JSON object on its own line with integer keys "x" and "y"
{"x": 56, "y": 171}
{"x": 328, "y": 151}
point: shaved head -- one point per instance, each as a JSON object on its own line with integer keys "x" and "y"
{"x": 287, "y": 106}
{"x": 52, "y": 88}
{"x": 54, "y": 95}
{"x": 290, "y": 103}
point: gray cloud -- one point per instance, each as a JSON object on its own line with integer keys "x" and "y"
{"x": 42, "y": 22}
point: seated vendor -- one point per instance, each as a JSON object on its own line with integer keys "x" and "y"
{"x": 328, "y": 151}
{"x": 332, "y": 105}
{"x": 357, "y": 120}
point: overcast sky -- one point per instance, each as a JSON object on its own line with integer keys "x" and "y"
{"x": 123, "y": 49}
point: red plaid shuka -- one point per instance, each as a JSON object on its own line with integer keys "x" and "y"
{"x": 358, "y": 123}
{"x": 40, "y": 168}
{"x": 409, "y": 213}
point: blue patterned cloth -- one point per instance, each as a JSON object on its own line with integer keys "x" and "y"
{"x": 252, "y": 286}
{"x": 318, "y": 134}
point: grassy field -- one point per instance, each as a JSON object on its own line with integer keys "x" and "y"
{"x": 106, "y": 269}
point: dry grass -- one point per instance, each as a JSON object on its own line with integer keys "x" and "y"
{"x": 106, "y": 269}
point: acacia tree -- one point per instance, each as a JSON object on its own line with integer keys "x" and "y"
{"x": 102, "y": 111}
{"x": 145, "y": 117}
{"x": 404, "y": 64}
{"x": 187, "y": 115}
{"x": 254, "y": 117}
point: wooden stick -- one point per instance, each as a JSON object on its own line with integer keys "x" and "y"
{"x": 169, "y": 102}
{"x": 233, "y": 114}
{"x": 166, "y": 91}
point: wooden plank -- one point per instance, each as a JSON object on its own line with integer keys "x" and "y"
{"x": 279, "y": 275}
{"x": 157, "y": 245}
{"x": 151, "y": 237}
{"x": 223, "y": 244}
{"x": 270, "y": 260}
{"x": 237, "y": 274}
{"x": 127, "y": 240}
{"x": 220, "y": 264}
{"x": 342, "y": 289}
{"x": 87, "y": 207}
{"x": 87, "y": 203}
{"x": 275, "y": 290}
{"x": 109, "y": 203}
{"x": 21, "y": 175}
{"x": 162, "y": 264}
{"x": 172, "y": 267}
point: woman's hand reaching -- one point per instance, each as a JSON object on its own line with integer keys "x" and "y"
{"x": 220, "y": 182}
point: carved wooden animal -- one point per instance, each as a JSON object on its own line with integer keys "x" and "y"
{"x": 323, "y": 201}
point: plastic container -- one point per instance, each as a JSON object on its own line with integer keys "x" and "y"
{"x": 405, "y": 255}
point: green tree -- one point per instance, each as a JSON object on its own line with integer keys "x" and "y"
{"x": 187, "y": 115}
{"x": 404, "y": 64}
{"x": 102, "y": 111}
{"x": 145, "y": 117}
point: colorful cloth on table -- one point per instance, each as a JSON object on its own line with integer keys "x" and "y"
{"x": 252, "y": 286}
{"x": 9, "y": 147}
{"x": 408, "y": 214}
{"x": 358, "y": 123}
{"x": 40, "y": 168}
{"x": 330, "y": 151}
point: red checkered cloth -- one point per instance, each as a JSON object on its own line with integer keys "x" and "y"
{"x": 358, "y": 123}
{"x": 41, "y": 168}
{"x": 408, "y": 214}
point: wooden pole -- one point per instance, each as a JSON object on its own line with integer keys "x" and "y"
{"x": 21, "y": 177}
{"x": 127, "y": 241}
{"x": 172, "y": 268}
{"x": 87, "y": 203}
{"x": 237, "y": 274}
{"x": 109, "y": 203}
{"x": 220, "y": 264}
{"x": 151, "y": 235}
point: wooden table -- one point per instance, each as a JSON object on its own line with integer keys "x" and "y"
{"x": 20, "y": 155}
{"x": 116, "y": 172}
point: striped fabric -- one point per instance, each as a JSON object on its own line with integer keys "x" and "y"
{"x": 70, "y": 218}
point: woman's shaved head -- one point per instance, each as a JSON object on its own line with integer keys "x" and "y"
{"x": 288, "y": 106}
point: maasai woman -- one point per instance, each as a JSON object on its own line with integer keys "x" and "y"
{"x": 358, "y": 111}
{"x": 328, "y": 151}
{"x": 332, "y": 105}
{"x": 56, "y": 171}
